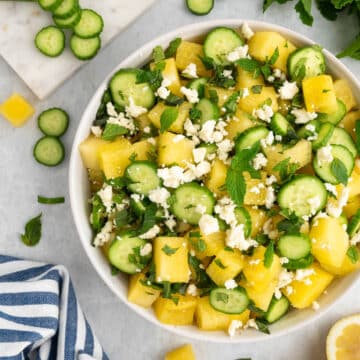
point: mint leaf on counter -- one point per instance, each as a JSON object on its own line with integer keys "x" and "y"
{"x": 32, "y": 233}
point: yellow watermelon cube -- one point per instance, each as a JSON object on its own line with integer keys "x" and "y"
{"x": 258, "y": 218}
{"x": 216, "y": 178}
{"x": 223, "y": 94}
{"x": 261, "y": 297}
{"x": 140, "y": 294}
{"x": 213, "y": 243}
{"x": 239, "y": 123}
{"x": 245, "y": 79}
{"x": 16, "y": 110}
{"x": 184, "y": 352}
{"x": 257, "y": 197}
{"x": 256, "y": 101}
{"x": 345, "y": 268}
{"x": 344, "y": 93}
{"x": 89, "y": 151}
{"x": 170, "y": 73}
{"x": 348, "y": 122}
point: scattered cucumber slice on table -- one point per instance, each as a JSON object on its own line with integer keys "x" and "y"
{"x": 294, "y": 247}
{"x": 69, "y": 22}
{"x": 277, "y": 309}
{"x": 323, "y": 136}
{"x": 250, "y": 137}
{"x": 200, "y": 7}
{"x": 53, "y": 122}
{"x": 143, "y": 177}
{"x": 209, "y": 110}
{"x": 185, "y": 199}
{"x": 49, "y": 5}
{"x": 124, "y": 85}
{"x": 49, "y": 151}
{"x": 91, "y": 24}
{"x": 229, "y": 301}
{"x": 342, "y": 137}
{"x": 294, "y": 195}
{"x": 50, "y": 41}
{"x": 66, "y": 8}
{"x": 85, "y": 49}
{"x": 335, "y": 117}
{"x": 221, "y": 41}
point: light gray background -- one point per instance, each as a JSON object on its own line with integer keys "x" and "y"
{"x": 123, "y": 333}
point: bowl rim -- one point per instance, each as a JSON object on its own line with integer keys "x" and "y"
{"x": 188, "y": 31}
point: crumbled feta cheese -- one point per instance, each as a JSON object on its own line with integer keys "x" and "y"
{"x": 134, "y": 110}
{"x": 119, "y": 118}
{"x": 279, "y": 74}
{"x": 146, "y": 249}
{"x": 190, "y": 71}
{"x": 230, "y": 284}
{"x": 246, "y": 31}
{"x": 285, "y": 278}
{"x": 302, "y": 116}
{"x": 315, "y": 305}
{"x": 310, "y": 127}
{"x": 251, "y": 324}
{"x": 208, "y": 224}
{"x": 264, "y": 113}
{"x": 303, "y": 274}
{"x": 191, "y": 94}
{"x": 234, "y": 326}
{"x": 196, "y": 171}
{"x": 324, "y": 155}
{"x": 178, "y": 138}
{"x": 355, "y": 239}
{"x": 259, "y": 161}
{"x": 244, "y": 93}
{"x": 271, "y": 180}
{"x": 225, "y": 209}
{"x": 147, "y": 130}
{"x": 255, "y": 190}
{"x": 104, "y": 235}
{"x": 271, "y": 78}
{"x": 190, "y": 128}
{"x": 199, "y": 154}
{"x": 96, "y": 131}
{"x": 289, "y": 290}
{"x": 110, "y": 109}
{"x": 255, "y": 262}
{"x": 335, "y": 210}
{"x": 270, "y": 230}
{"x": 201, "y": 209}
{"x": 284, "y": 260}
{"x": 150, "y": 234}
{"x": 270, "y": 197}
{"x": 163, "y": 92}
{"x": 288, "y": 90}
{"x": 235, "y": 238}
{"x": 106, "y": 195}
{"x": 238, "y": 53}
{"x": 172, "y": 176}
{"x": 314, "y": 203}
{"x": 224, "y": 148}
{"x": 170, "y": 223}
{"x": 151, "y": 141}
{"x": 227, "y": 74}
{"x": 278, "y": 138}
{"x": 212, "y": 132}
{"x": 159, "y": 196}
{"x": 192, "y": 290}
{"x": 137, "y": 197}
{"x": 331, "y": 188}
{"x": 268, "y": 141}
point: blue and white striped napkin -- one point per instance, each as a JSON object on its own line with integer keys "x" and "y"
{"x": 40, "y": 317}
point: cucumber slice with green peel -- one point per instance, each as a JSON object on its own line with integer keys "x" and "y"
{"x": 69, "y": 22}
{"x": 229, "y": 301}
{"x": 199, "y": 86}
{"x": 200, "y": 7}
{"x": 138, "y": 206}
{"x": 50, "y": 41}
{"x": 304, "y": 131}
{"x": 323, "y": 170}
{"x": 187, "y": 197}
{"x": 323, "y": 136}
{"x": 66, "y": 8}
{"x": 277, "y": 309}
{"x": 342, "y": 137}
{"x": 49, "y": 151}
{"x": 306, "y": 62}
{"x": 294, "y": 196}
{"x": 354, "y": 225}
{"x": 210, "y": 148}
{"x": 302, "y": 263}
{"x": 49, "y": 5}
{"x": 279, "y": 125}
{"x": 123, "y": 85}
{"x": 123, "y": 254}
{"x": 335, "y": 117}
{"x": 250, "y": 136}
{"x": 220, "y": 42}
{"x": 142, "y": 176}
{"x": 243, "y": 217}
{"x": 91, "y": 24}
{"x": 209, "y": 111}
{"x": 85, "y": 49}
{"x": 294, "y": 247}
{"x": 53, "y": 122}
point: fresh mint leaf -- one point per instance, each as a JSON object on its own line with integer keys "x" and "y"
{"x": 256, "y": 89}
{"x": 339, "y": 4}
{"x": 303, "y": 8}
{"x": 286, "y": 169}
{"x": 50, "y": 201}
{"x": 274, "y": 57}
{"x": 153, "y": 78}
{"x": 98, "y": 214}
{"x": 32, "y": 233}
{"x": 222, "y": 297}
{"x": 269, "y": 254}
{"x": 158, "y": 54}
{"x": 138, "y": 260}
{"x": 236, "y": 186}
{"x": 219, "y": 264}
{"x": 174, "y": 100}
{"x": 117, "y": 183}
{"x": 290, "y": 226}
{"x": 357, "y": 135}
{"x": 208, "y": 62}
{"x": 249, "y": 65}
{"x": 339, "y": 170}
{"x": 111, "y": 131}
{"x": 230, "y": 104}
{"x": 268, "y": 3}
{"x": 213, "y": 96}
{"x": 327, "y": 9}
{"x": 263, "y": 326}
{"x": 148, "y": 221}
{"x": 353, "y": 254}
{"x": 122, "y": 218}
{"x": 352, "y": 50}
{"x": 173, "y": 46}
{"x": 167, "y": 118}
{"x": 194, "y": 114}
{"x": 168, "y": 250}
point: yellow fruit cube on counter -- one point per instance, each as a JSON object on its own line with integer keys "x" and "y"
{"x": 184, "y": 352}
{"x": 140, "y": 294}
{"x": 181, "y": 313}
{"x": 16, "y": 110}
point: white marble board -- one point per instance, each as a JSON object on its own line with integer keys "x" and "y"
{"x": 20, "y": 21}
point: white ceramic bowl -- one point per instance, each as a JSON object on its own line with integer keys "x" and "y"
{"x": 79, "y": 192}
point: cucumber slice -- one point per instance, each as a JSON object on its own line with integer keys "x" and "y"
{"x": 294, "y": 196}
{"x": 53, "y": 122}
{"x": 209, "y": 111}
{"x": 85, "y": 49}
{"x": 124, "y": 85}
{"x": 354, "y": 225}
{"x": 325, "y": 132}
{"x": 50, "y": 41}
{"x": 91, "y": 24}
{"x": 220, "y": 42}
{"x": 143, "y": 177}
{"x": 243, "y": 217}
{"x": 199, "y": 86}
{"x": 120, "y": 252}
{"x": 200, "y": 7}
{"x": 277, "y": 309}
{"x": 302, "y": 263}
{"x": 234, "y": 301}
{"x": 335, "y": 117}
{"x": 324, "y": 171}
{"x": 342, "y": 137}
{"x": 279, "y": 125}
{"x": 49, "y": 151}
{"x": 66, "y": 8}
{"x": 49, "y": 5}
{"x": 306, "y": 62}
{"x": 186, "y": 198}
{"x": 294, "y": 247}
{"x": 304, "y": 133}
{"x": 251, "y": 136}
{"x": 138, "y": 206}
{"x": 210, "y": 148}
{"x": 69, "y": 22}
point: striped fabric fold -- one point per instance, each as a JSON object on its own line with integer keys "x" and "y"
{"x": 40, "y": 317}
